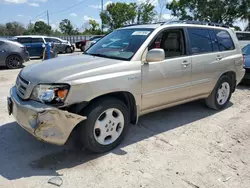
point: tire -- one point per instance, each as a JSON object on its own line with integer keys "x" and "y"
{"x": 14, "y": 62}
{"x": 82, "y": 48}
{"x": 221, "y": 94}
{"x": 68, "y": 50}
{"x": 99, "y": 122}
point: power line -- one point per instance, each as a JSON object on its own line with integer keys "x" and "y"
{"x": 68, "y": 7}
{"x": 39, "y": 15}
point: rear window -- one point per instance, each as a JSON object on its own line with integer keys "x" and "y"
{"x": 24, "y": 40}
{"x": 243, "y": 36}
{"x": 224, "y": 39}
{"x": 48, "y": 40}
{"x": 200, "y": 40}
{"x": 37, "y": 40}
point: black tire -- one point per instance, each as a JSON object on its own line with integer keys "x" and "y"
{"x": 14, "y": 62}
{"x": 212, "y": 101}
{"x": 82, "y": 48}
{"x": 86, "y": 130}
{"x": 68, "y": 50}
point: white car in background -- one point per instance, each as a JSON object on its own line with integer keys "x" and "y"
{"x": 243, "y": 37}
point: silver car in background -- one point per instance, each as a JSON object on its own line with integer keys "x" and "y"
{"x": 61, "y": 46}
{"x": 12, "y": 54}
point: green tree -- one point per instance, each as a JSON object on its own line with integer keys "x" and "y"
{"x": 30, "y": 29}
{"x": 220, "y": 11}
{"x": 14, "y": 28}
{"x": 118, "y": 14}
{"x": 42, "y": 28}
{"x": 94, "y": 26}
{"x": 66, "y": 27}
{"x": 3, "y": 31}
{"x": 145, "y": 13}
{"x": 245, "y": 12}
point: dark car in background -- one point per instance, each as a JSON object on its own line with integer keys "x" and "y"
{"x": 34, "y": 44}
{"x": 82, "y": 44}
{"x": 61, "y": 46}
{"x": 246, "y": 53}
{"x": 12, "y": 54}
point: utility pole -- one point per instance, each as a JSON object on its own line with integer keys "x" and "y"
{"x": 102, "y": 12}
{"x": 48, "y": 16}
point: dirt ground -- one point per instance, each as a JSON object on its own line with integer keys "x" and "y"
{"x": 188, "y": 146}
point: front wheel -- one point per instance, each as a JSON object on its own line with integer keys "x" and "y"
{"x": 221, "y": 94}
{"x": 106, "y": 125}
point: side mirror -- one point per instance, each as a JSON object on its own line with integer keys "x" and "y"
{"x": 155, "y": 55}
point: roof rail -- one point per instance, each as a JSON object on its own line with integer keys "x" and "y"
{"x": 198, "y": 23}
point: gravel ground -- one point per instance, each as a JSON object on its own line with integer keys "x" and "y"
{"x": 186, "y": 146}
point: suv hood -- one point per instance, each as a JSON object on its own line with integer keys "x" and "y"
{"x": 66, "y": 69}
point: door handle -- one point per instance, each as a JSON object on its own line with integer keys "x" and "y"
{"x": 185, "y": 63}
{"x": 218, "y": 58}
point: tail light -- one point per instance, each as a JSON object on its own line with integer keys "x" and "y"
{"x": 244, "y": 60}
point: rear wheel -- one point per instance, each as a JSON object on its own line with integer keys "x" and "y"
{"x": 14, "y": 62}
{"x": 68, "y": 49}
{"x": 106, "y": 125}
{"x": 221, "y": 94}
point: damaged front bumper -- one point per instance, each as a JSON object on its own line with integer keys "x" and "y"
{"x": 46, "y": 123}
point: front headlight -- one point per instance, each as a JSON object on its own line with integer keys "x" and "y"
{"x": 52, "y": 94}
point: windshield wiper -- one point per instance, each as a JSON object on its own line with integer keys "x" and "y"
{"x": 107, "y": 56}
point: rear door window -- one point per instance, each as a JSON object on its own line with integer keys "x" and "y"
{"x": 214, "y": 40}
{"x": 37, "y": 40}
{"x": 243, "y": 36}
{"x": 224, "y": 39}
{"x": 24, "y": 40}
{"x": 200, "y": 40}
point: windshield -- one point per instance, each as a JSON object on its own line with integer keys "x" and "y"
{"x": 120, "y": 44}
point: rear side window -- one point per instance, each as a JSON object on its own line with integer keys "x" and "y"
{"x": 48, "y": 40}
{"x": 200, "y": 40}
{"x": 224, "y": 39}
{"x": 214, "y": 40}
{"x": 24, "y": 40}
{"x": 243, "y": 36}
{"x": 37, "y": 40}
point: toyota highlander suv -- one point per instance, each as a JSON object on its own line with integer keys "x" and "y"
{"x": 133, "y": 71}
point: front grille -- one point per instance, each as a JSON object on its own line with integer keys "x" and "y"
{"x": 21, "y": 85}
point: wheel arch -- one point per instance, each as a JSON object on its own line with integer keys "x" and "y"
{"x": 126, "y": 97}
{"x": 232, "y": 76}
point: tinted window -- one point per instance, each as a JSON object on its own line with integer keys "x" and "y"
{"x": 214, "y": 40}
{"x": 48, "y": 40}
{"x": 224, "y": 39}
{"x": 55, "y": 40}
{"x": 1, "y": 43}
{"x": 24, "y": 40}
{"x": 37, "y": 40}
{"x": 243, "y": 36}
{"x": 200, "y": 40}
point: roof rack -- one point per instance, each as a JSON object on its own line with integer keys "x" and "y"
{"x": 197, "y": 23}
